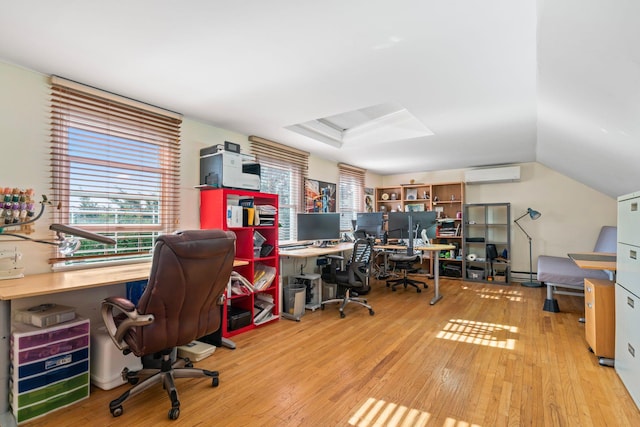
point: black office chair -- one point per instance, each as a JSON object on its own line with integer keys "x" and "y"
{"x": 188, "y": 279}
{"x": 405, "y": 263}
{"x": 354, "y": 279}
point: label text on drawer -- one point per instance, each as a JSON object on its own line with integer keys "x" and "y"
{"x": 630, "y": 302}
{"x": 59, "y": 361}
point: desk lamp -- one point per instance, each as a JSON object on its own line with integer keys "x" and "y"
{"x": 66, "y": 245}
{"x": 533, "y": 214}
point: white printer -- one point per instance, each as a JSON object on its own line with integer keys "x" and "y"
{"x": 227, "y": 167}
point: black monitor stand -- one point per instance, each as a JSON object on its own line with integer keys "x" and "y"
{"x": 410, "y": 244}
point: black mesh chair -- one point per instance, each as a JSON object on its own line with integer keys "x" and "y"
{"x": 189, "y": 275}
{"x": 405, "y": 263}
{"x": 354, "y": 279}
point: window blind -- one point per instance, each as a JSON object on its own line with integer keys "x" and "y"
{"x": 115, "y": 167}
{"x": 351, "y": 193}
{"x": 282, "y": 172}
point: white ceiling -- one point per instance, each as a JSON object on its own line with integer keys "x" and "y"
{"x": 497, "y": 81}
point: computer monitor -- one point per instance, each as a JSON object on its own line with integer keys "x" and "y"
{"x": 398, "y": 225}
{"x": 319, "y": 226}
{"x": 370, "y": 223}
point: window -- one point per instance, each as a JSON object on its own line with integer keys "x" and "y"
{"x": 116, "y": 170}
{"x": 351, "y": 193}
{"x": 282, "y": 172}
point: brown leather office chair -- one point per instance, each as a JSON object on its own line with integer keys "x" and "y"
{"x": 189, "y": 275}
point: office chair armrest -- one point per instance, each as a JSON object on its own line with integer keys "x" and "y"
{"x": 122, "y": 303}
{"x": 335, "y": 257}
{"x": 132, "y": 318}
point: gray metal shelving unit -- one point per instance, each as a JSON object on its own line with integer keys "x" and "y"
{"x": 487, "y": 223}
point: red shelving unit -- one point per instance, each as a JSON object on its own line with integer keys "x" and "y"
{"x": 213, "y": 214}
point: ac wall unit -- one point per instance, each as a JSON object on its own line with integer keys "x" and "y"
{"x": 492, "y": 175}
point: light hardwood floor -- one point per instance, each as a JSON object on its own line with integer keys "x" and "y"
{"x": 485, "y": 355}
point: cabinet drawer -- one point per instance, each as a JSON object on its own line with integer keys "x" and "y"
{"x": 629, "y": 219}
{"x": 627, "y": 343}
{"x": 599, "y": 311}
{"x": 628, "y": 267}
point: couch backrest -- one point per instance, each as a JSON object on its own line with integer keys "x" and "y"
{"x": 607, "y": 240}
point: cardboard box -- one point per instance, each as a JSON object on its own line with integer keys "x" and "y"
{"x": 196, "y": 351}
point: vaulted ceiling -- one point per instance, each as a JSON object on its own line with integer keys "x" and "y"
{"x": 495, "y": 81}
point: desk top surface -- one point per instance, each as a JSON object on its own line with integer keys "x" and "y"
{"x": 312, "y": 251}
{"x": 433, "y": 248}
{"x": 73, "y": 280}
{"x": 595, "y": 260}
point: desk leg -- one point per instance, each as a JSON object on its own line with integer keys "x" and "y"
{"x": 436, "y": 278}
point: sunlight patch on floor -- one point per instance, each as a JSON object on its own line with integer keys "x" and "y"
{"x": 378, "y": 413}
{"x": 480, "y": 333}
{"x": 497, "y": 293}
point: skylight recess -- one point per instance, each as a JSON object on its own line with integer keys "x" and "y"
{"x": 377, "y": 124}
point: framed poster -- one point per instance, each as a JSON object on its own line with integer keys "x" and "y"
{"x": 319, "y": 196}
{"x": 368, "y": 199}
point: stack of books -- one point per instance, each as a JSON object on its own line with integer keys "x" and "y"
{"x": 265, "y": 215}
{"x": 262, "y": 308}
{"x": 263, "y": 276}
{"x": 239, "y": 285}
{"x": 449, "y": 228}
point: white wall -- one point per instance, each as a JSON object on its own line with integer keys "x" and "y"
{"x": 572, "y": 213}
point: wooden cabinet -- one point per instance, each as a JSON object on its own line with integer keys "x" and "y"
{"x": 627, "y": 295}
{"x": 599, "y": 315}
{"x": 487, "y": 224}
{"x": 446, "y": 199}
{"x": 257, "y": 244}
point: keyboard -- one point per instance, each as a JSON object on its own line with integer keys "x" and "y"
{"x": 293, "y": 248}
{"x": 416, "y": 243}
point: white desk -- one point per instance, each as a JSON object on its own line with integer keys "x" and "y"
{"x": 436, "y": 263}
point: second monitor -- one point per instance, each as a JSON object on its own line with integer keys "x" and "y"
{"x": 370, "y": 222}
{"x": 323, "y": 227}
{"x": 398, "y": 225}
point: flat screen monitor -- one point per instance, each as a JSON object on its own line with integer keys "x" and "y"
{"x": 370, "y": 223}
{"x": 398, "y": 225}
{"x": 319, "y": 226}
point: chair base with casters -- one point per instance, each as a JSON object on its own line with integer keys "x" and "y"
{"x": 346, "y": 300}
{"x": 405, "y": 263}
{"x": 165, "y": 375}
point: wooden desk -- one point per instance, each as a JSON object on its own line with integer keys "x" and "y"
{"x": 52, "y": 283}
{"x": 595, "y": 260}
{"x": 436, "y": 263}
{"x": 315, "y": 251}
